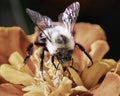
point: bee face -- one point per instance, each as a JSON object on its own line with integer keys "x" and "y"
{"x": 64, "y": 54}
{"x": 64, "y": 48}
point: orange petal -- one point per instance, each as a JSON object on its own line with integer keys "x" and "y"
{"x": 92, "y": 75}
{"x": 110, "y": 86}
{"x": 8, "y": 89}
{"x": 14, "y": 76}
{"x": 12, "y": 39}
{"x": 80, "y": 91}
{"x": 86, "y": 33}
{"x": 79, "y": 61}
{"x": 98, "y": 50}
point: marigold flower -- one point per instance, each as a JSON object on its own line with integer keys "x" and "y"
{"x": 17, "y": 79}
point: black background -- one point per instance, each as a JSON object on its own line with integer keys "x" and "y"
{"x": 102, "y": 12}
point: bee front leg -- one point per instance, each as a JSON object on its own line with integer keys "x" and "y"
{"x": 30, "y": 50}
{"x": 29, "y": 53}
{"x": 52, "y": 59}
{"x": 41, "y": 61}
{"x": 82, "y": 48}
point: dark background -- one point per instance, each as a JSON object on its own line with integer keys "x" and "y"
{"x": 102, "y": 12}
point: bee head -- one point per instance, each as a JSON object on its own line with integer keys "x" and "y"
{"x": 63, "y": 54}
{"x": 62, "y": 43}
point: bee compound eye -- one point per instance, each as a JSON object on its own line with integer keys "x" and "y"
{"x": 59, "y": 54}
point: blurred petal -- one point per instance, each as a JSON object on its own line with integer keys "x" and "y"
{"x": 34, "y": 93}
{"x": 110, "y": 86}
{"x": 79, "y": 59}
{"x": 80, "y": 91}
{"x": 92, "y": 75}
{"x": 16, "y": 60}
{"x": 14, "y": 76}
{"x": 63, "y": 89}
{"x": 12, "y": 39}
{"x": 75, "y": 76}
{"x": 33, "y": 90}
{"x": 98, "y": 49}
{"x": 10, "y": 90}
{"x": 86, "y": 33}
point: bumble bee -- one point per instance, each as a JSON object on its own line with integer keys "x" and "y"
{"x": 56, "y": 39}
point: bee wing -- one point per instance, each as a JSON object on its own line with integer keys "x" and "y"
{"x": 69, "y": 16}
{"x": 38, "y": 19}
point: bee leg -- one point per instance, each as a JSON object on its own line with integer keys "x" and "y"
{"x": 82, "y": 48}
{"x": 41, "y": 61}
{"x": 39, "y": 44}
{"x": 52, "y": 59}
{"x": 72, "y": 62}
{"x": 29, "y": 52}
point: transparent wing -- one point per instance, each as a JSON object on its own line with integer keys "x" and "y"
{"x": 69, "y": 16}
{"x": 38, "y": 19}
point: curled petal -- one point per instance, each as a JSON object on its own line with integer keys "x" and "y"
{"x": 80, "y": 90}
{"x": 80, "y": 62}
{"x": 10, "y": 90}
{"x": 34, "y": 93}
{"x": 16, "y": 60}
{"x": 63, "y": 89}
{"x": 12, "y": 39}
{"x": 110, "y": 86}
{"x": 98, "y": 49}
{"x": 92, "y": 75}
{"x": 35, "y": 90}
{"x": 14, "y": 76}
{"x": 86, "y": 33}
{"x": 75, "y": 76}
